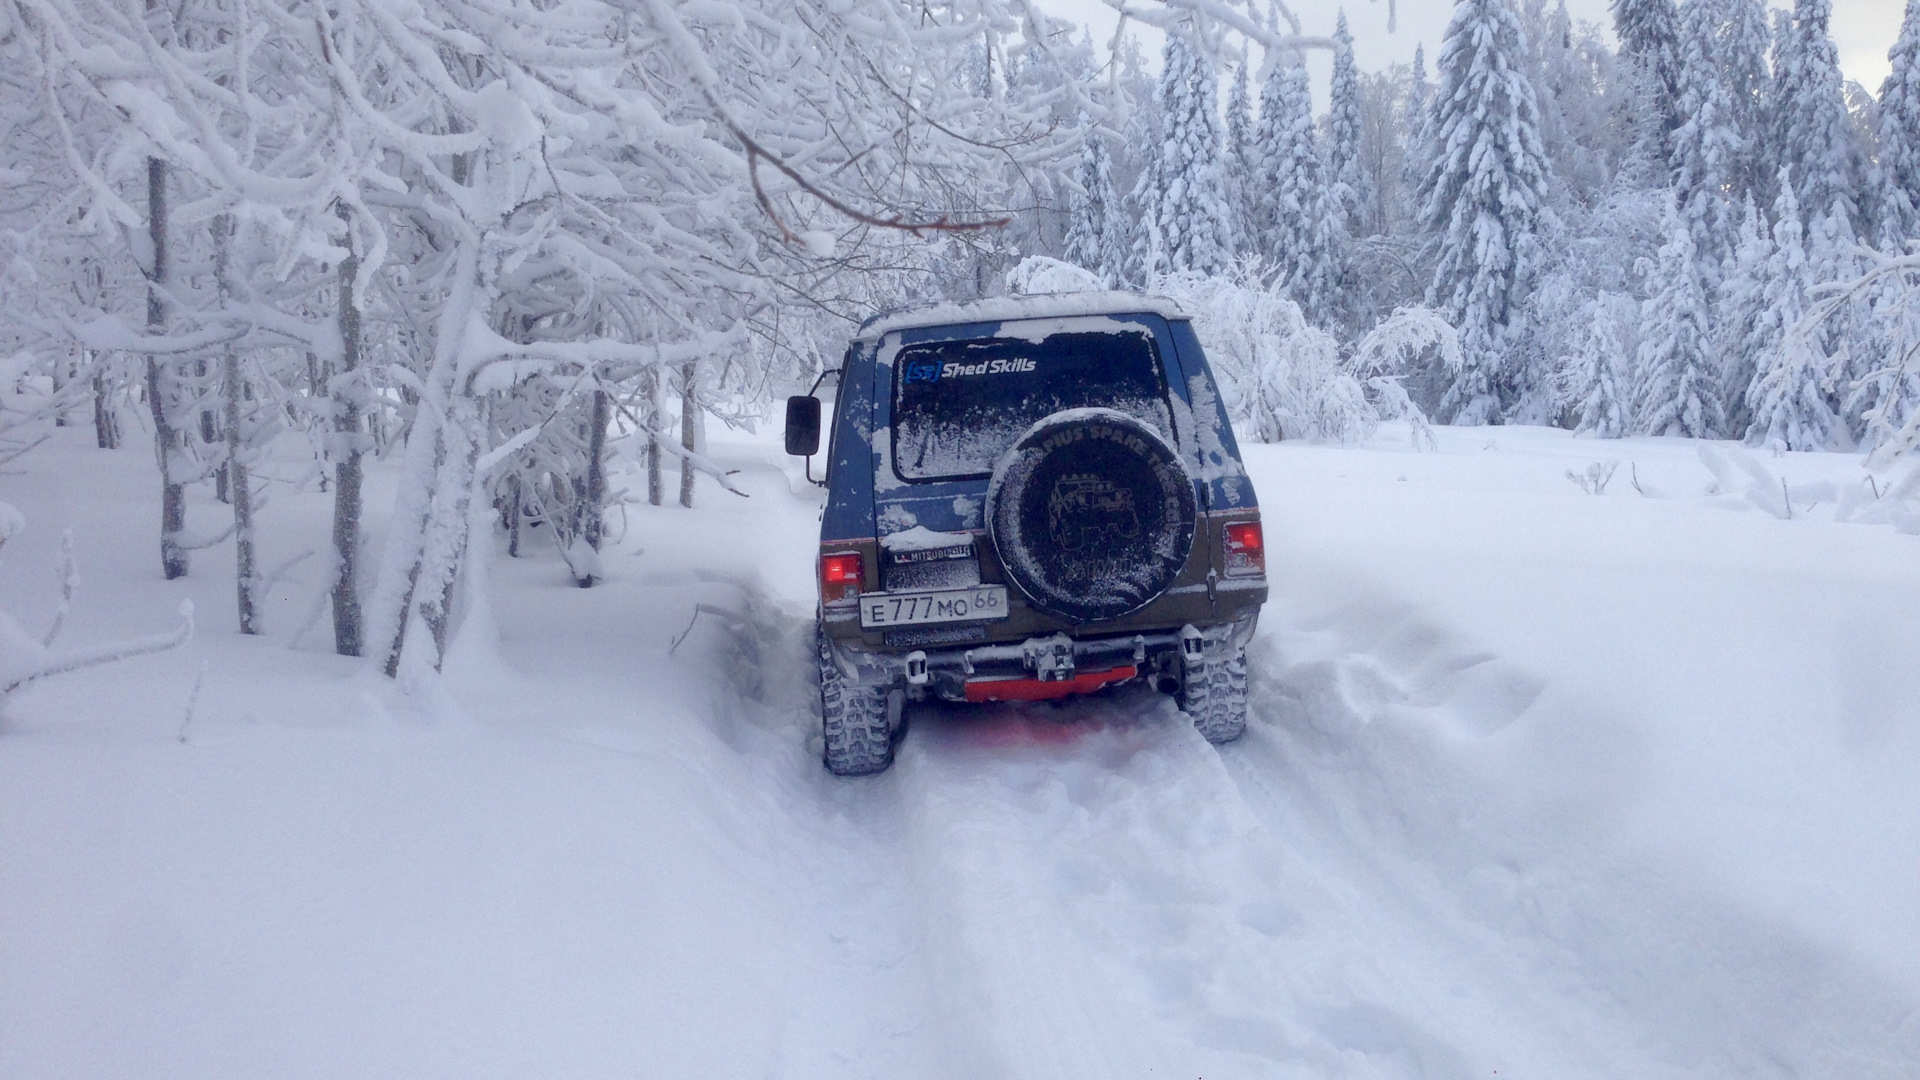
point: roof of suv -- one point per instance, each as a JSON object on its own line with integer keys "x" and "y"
{"x": 1009, "y": 308}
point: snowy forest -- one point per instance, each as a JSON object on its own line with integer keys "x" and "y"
{"x": 502, "y": 244}
{"x": 414, "y": 653}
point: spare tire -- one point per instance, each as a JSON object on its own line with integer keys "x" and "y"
{"x": 1092, "y": 514}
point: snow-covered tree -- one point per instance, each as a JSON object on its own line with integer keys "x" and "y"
{"x": 1675, "y": 391}
{"x": 1744, "y": 40}
{"x": 1420, "y": 94}
{"x": 1834, "y": 255}
{"x": 1096, "y": 233}
{"x": 1787, "y": 401}
{"x": 1585, "y": 251}
{"x": 1594, "y": 377}
{"x": 1814, "y": 134}
{"x": 1899, "y": 134}
{"x": 1135, "y": 92}
{"x": 1890, "y": 387}
{"x": 1182, "y": 193}
{"x": 1238, "y": 163}
{"x": 525, "y": 192}
{"x": 1742, "y": 305}
{"x": 1349, "y": 182}
{"x": 1572, "y": 74}
{"x": 1420, "y": 150}
{"x": 1649, "y": 33}
{"x": 1484, "y": 194}
{"x": 1297, "y": 230}
{"x": 1284, "y": 378}
{"x": 1385, "y": 120}
{"x": 1706, "y": 146}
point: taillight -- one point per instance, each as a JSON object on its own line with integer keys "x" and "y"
{"x": 839, "y": 577}
{"x": 1246, "y": 549}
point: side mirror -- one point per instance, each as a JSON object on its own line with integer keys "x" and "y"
{"x": 803, "y": 425}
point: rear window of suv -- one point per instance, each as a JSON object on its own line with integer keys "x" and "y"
{"x": 958, "y": 405}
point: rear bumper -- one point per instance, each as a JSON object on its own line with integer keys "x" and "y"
{"x": 1055, "y": 665}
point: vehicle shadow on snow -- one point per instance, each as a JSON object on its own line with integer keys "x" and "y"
{"x": 1035, "y": 728}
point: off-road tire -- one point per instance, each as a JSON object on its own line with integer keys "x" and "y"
{"x": 853, "y": 719}
{"x": 1214, "y": 693}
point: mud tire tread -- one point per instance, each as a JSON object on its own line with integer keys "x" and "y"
{"x": 853, "y": 721}
{"x": 1216, "y": 698}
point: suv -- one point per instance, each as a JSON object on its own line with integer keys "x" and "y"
{"x": 1029, "y": 498}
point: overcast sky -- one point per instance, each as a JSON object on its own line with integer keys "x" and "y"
{"x": 1863, "y": 29}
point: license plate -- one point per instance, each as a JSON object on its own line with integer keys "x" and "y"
{"x": 972, "y": 604}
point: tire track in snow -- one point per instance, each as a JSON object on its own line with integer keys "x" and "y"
{"x": 1350, "y": 891}
{"x": 856, "y": 994}
{"x": 1094, "y": 895}
{"x": 1368, "y": 885}
{"x": 1396, "y": 762}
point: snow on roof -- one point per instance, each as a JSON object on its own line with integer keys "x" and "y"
{"x": 1010, "y": 308}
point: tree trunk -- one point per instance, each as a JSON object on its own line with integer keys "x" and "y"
{"x": 656, "y": 483}
{"x": 233, "y": 471}
{"x": 426, "y": 537}
{"x": 349, "y": 633}
{"x": 419, "y": 524}
{"x": 106, "y": 422}
{"x": 689, "y": 429}
{"x": 595, "y": 522}
{"x": 241, "y": 496}
{"x": 209, "y": 430}
{"x": 450, "y": 535}
{"x": 161, "y": 384}
{"x": 510, "y": 516}
{"x": 63, "y": 373}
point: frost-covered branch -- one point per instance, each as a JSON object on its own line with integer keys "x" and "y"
{"x": 1890, "y": 289}
{"x": 25, "y": 659}
{"x": 21, "y": 670}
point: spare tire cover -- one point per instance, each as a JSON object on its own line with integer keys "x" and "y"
{"x": 1092, "y": 514}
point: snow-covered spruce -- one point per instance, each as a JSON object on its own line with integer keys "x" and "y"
{"x": 1296, "y": 227}
{"x": 1096, "y": 228}
{"x": 1813, "y": 134}
{"x": 1483, "y": 196}
{"x": 1742, "y": 307}
{"x": 1787, "y": 402}
{"x": 1349, "y": 184}
{"x": 1594, "y": 383}
{"x": 1707, "y": 146}
{"x": 1182, "y": 193}
{"x": 1238, "y": 161}
{"x": 1899, "y": 148}
{"x": 1675, "y": 392}
{"x": 1649, "y": 33}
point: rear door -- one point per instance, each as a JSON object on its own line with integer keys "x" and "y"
{"x": 951, "y": 400}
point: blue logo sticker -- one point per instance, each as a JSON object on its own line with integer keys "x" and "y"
{"x": 926, "y": 372}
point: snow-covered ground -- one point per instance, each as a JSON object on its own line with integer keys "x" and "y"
{"x": 1539, "y": 782}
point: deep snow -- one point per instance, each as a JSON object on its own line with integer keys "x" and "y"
{"x": 1538, "y": 782}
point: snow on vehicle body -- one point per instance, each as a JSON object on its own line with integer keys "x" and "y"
{"x": 1029, "y": 498}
